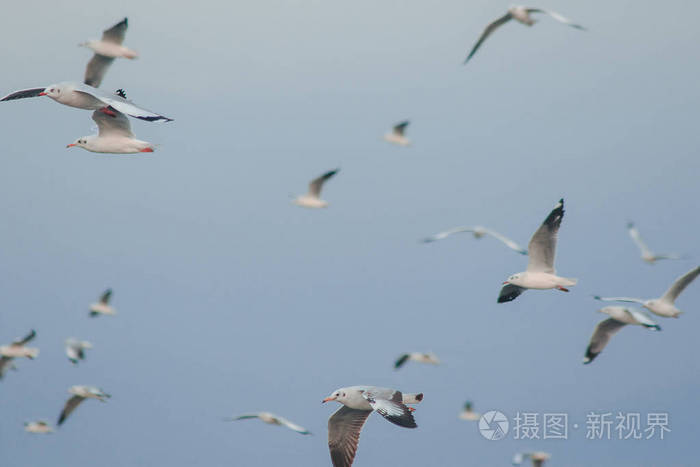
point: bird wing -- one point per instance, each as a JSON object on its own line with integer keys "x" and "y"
{"x": 447, "y": 233}
{"x": 293, "y": 426}
{"x": 96, "y": 69}
{"x": 510, "y": 292}
{"x": 507, "y": 241}
{"x": 400, "y": 128}
{"x": 112, "y": 125}
{"x": 401, "y": 361}
{"x": 487, "y": 32}
{"x": 394, "y": 411}
{"x": 25, "y": 339}
{"x": 107, "y": 294}
{"x": 34, "y": 92}
{"x": 70, "y": 406}
{"x": 119, "y": 103}
{"x": 643, "y": 318}
{"x": 116, "y": 33}
{"x": 600, "y": 338}
{"x": 543, "y": 244}
{"x": 344, "y": 428}
{"x": 557, "y": 17}
{"x": 637, "y": 238}
{"x": 4, "y": 365}
{"x": 317, "y": 183}
{"x": 680, "y": 284}
{"x": 619, "y": 299}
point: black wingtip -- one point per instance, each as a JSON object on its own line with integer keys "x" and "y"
{"x": 121, "y": 93}
{"x": 419, "y": 396}
{"x": 590, "y": 356}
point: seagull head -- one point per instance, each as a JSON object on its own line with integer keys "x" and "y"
{"x": 338, "y": 395}
{"x": 53, "y": 91}
{"x": 514, "y": 279}
{"x": 82, "y": 142}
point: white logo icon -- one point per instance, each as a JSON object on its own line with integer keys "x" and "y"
{"x": 493, "y": 425}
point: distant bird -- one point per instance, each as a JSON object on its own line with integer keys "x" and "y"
{"x": 75, "y": 349}
{"x": 80, "y": 393}
{"x": 468, "y": 413}
{"x": 106, "y": 50}
{"x": 417, "y": 357}
{"x": 619, "y": 317}
{"x": 665, "y": 305}
{"x": 41, "y": 426}
{"x": 397, "y": 134}
{"x": 522, "y": 15}
{"x": 538, "y": 458}
{"x": 345, "y": 424}
{"x": 102, "y": 307}
{"x": 478, "y": 232}
{"x": 86, "y": 97}
{"x": 114, "y": 136}
{"x": 17, "y": 349}
{"x": 540, "y": 273}
{"x": 647, "y": 255}
{"x": 313, "y": 198}
{"x": 273, "y": 419}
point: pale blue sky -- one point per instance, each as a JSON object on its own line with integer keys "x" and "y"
{"x": 230, "y": 299}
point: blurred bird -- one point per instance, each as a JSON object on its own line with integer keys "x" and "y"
{"x": 114, "y": 136}
{"x": 468, "y": 413}
{"x": 80, "y": 393}
{"x": 396, "y": 136}
{"x": 478, "y": 232}
{"x": 273, "y": 419}
{"x": 538, "y": 458}
{"x": 75, "y": 349}
{"x": 41, "y": 426}
{"x": 106, "y": 50}
{"x": 416, "y": 357}
{"x": 647, "y": 255}
{"x": 102, "y": 307}
{"x": 313, "y": 198}
{"x": 17, "y": 349}
{"x": 619, "y": 317}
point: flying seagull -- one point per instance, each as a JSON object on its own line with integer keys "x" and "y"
{"x": 538, "y": 458}
{"x": 468, "y": 413}
{"x": 86, "y": 97}
{"x": 17, "y": 349}
{"x": 647, "y": 255}
{"x": 80, "y": 393}
{"x": 273, "y": 419}
{"x": 540, "y": 273}
{"x": 416, "y": 357}
{"x": 396, "y": 135}
{"x": 663, "y": 306}
{"x": 41, "y": 426}
{"x": 102, "y": 307}
{"x": 106, "y": 50}
{"x": 478, "y": 232}
{"x": 312, "y": 199}
{"x": 114, "y": 136}
{"x": 619, "y": 317}
{"x": 522, "y": 15}
{"x": 75, "y": 349}
{"x": 345, "y": 424}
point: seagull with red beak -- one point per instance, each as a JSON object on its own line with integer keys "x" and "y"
{"x": 114, "y": 136}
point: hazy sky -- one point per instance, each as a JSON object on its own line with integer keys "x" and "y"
{"x": 232, "y": 300}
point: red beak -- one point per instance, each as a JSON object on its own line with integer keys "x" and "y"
{"x": 505, "y": 282}
{"x": 327, "y": 399}
{"x": 70, "y": 145}
{"x": 42, "y": 93}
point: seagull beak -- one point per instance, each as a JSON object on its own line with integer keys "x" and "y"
{"x": 505, "y": 282}
{"x": 70, "y": 145}
{"x": 42, "y": 93}
{"x": 328, "y": 399}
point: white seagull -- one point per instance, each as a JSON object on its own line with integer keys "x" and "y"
{"x": 468, "y": 413}
{"x": 273, "y": 419}
{"x": 17, "y": 349}
{"x": 80, "y": 393}
{"x": 345, "y": 424}
{"x": 522, "y": 15}
{"x": 86, "y": 97}
{"x": 478, "y": 232}
{"x": 114, "y": 136}
{"x": 106, "y": 50}
{"x": 665, "y": 305}
{"x": 538, "y": 458}
{"x": 420, "y": 357}
{"x": 397, "y": 136}
{"x": 75, "y": 349}
{"x": 102, "y": 307}
{"x": 540, "y": 273}
{"x": 647, "y": 255}
{"x": 41, "y": 426}
{"x": 312, "y": 199}
{"x": 619, "y": 317}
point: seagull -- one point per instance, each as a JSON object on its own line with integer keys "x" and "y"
{"x": 540, "y": 273}
{"x": 521, "y": 14}
{"x": 663, "y": 306}
{"x": 478, "y": 232}
{"x": 619, "y": 317}
{"x": 647, "y": 255}
{"x": 41, "y": 426}
{"x": 17, "y": 349}
{"x": 312, "y": 198}
{"x": 114, "y": 136}
{"x": 417, "y": 357}
{"x": 273, "y": 419}
{"x": 80, "y": 393}
{"x": 106, "y": 50}
{"x": 75, "y": 349}
{"x": 102, "y": 307}
{"x": 538, "y": 458}
{"x": 396, "y": 135}
{"x": 82, "y": 96}
{"x": 345, "y": 424}
{"x": 468, "y": 413}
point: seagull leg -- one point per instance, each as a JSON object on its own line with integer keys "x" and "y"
{"x": 107, "y": 110}
{"x": 411, "y": 409}
{"x": 559, "y": 287}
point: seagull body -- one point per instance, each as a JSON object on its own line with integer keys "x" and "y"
{"x": 83, "y": 96}
{"x": 273, "y": 419}
{"x": 80, "y": 393}
{"x": 41, "y": 426}
{"x": 312, "y": 199}
{"x": 540, "y": 273}
{"x": 420, "y": 357}
{"x": 102, "y": 307}
{"x": 647, "y": 255}
{"x": 114, "y": 136}
{"x": 359, "y": 402}
{"x": 397, "y": 134}
{"x": 522, "y": 15}
{"x": 538, "y": 458}
{"x": 478, "y": 232}
{"x": 17, "y": 349}
{"x": 619, "y": 317}
{"x": 106, "y": 50}
{"x": 665, "y": 305}
{"x": 468, "y": 413}
{"x": 75, "y": 349}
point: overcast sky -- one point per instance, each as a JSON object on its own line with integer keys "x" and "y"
{"x": 231, "y": 300}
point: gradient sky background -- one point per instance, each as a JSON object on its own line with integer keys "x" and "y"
{"x": 232, "y": 300}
